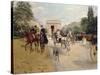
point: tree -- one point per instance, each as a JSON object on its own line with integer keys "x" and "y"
{"x": 22, "y": 14}
{"x": 90, "y": 27}
{"x": 89, "y": 23}
{"x": 84, "y": 24}
{"x": 95, "y": 24}
{"x": 76, "y": 29}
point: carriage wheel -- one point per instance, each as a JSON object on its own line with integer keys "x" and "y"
{"x": 93, "y": 54}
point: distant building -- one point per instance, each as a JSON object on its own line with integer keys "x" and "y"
{"x": 55, "y": 24}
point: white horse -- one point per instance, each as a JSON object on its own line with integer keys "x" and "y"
{"x": 71, "y": 37}
{"x": 63, "y": 41}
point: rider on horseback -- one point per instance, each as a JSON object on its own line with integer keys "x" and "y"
{"x": 34, "y": 30}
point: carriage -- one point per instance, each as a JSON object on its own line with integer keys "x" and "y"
{"x": 92, "y": 39}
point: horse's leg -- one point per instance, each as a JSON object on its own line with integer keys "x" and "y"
{"x": 30, "y": 46}
{"x": 65, "y": 43}
{"x": 68, "y": 47}
{"x": 61, "y": 43}
{"x": 34, "y": 46}
{"x": 68, "y": 50}
{"x": 26, "y": 45}
{"x": 37, "y": 46}
{"x": 42, "y": 48}
{"x": 58, "y": 58}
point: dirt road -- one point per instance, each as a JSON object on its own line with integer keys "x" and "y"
{"x": 77, "y": 59}
{"x": 26, "y": 62}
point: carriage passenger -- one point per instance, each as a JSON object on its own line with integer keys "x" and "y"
{"x": 34, "y": 29}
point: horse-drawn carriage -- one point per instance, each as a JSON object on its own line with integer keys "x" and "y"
{"x": 92, "y": 39}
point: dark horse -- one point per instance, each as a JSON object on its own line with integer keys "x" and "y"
{"x": 30, "y": 39}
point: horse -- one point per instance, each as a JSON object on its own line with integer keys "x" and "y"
{"x": 56, "y": 38}
{"x": 62, "y": 40}
{"x": 30, "y": 39}
{"x": 71, "y": 37}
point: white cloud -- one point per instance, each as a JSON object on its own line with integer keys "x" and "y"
{"x": 65, "y": 13}
{"x": 38, "y": 10}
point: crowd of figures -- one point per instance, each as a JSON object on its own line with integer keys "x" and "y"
{"x": 63, "y": 41}
{"x": 71, "y": 39}
{"x": 38, "y": 38}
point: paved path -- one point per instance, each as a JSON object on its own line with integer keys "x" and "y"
{"x": 77, "y": 59}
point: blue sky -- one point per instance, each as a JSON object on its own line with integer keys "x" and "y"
{"x": 64, "y": 12}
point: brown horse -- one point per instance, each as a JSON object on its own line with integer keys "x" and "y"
{"x": 30, "y": 39}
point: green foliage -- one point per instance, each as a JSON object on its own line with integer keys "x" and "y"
{"x": 92, "y": 21}
{"x": 95, "y": 24}
{"x": 76, "y": 29}
{"x": 22, "y": 14}
{"x": 84, "y": 23}
{"x": 89, "y": 23}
